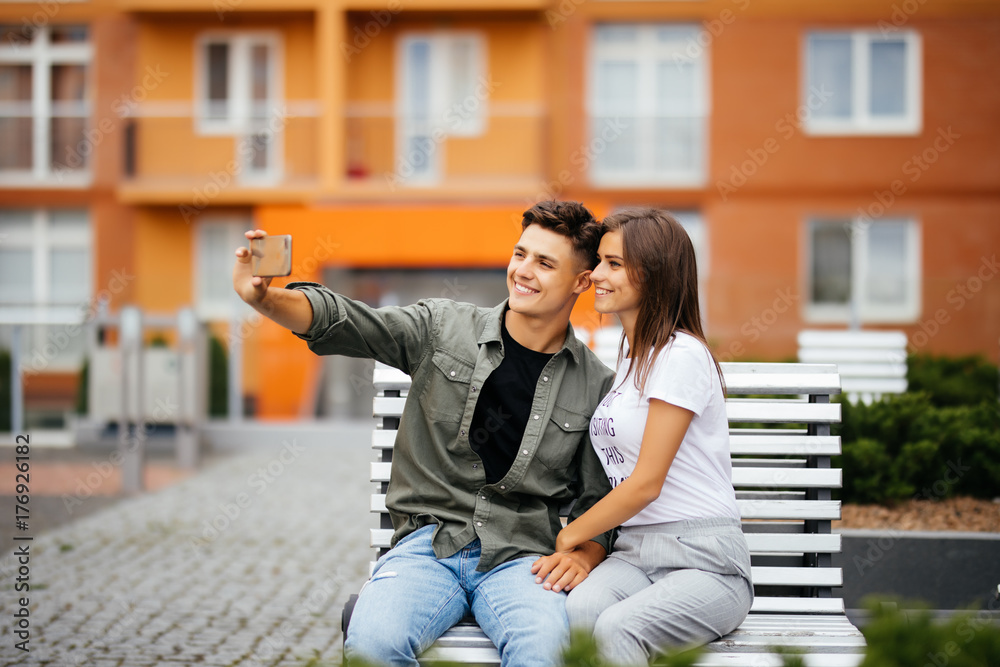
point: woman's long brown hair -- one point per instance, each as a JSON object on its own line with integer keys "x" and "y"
{"x": 660, "y": 262}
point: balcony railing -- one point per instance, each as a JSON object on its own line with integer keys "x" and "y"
{"x": 462, "y": 150}
{"x": 170, "y": 154}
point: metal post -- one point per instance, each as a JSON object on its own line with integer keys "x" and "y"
{"x": 131, "y": 441}
{"x": 235, "y": 369}
{"x": 187, "y": 432}
{"x": 856, "y": 277}
{"x": 16, "y": 386}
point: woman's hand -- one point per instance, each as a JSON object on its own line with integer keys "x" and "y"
{"x": 564, "y": 570}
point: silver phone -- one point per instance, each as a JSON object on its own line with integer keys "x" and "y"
{"x": 271, "y": 256}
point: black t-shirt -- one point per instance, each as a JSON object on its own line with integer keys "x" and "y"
{"x": 504, "y": 406}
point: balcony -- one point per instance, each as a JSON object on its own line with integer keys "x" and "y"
{"x": 495, "y": 153}
{"x": 177, "y": 158}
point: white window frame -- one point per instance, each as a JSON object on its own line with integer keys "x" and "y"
{"x": 647, "y": 52}
{"x": 40, "y": 240}
{"x": 857, "y": 230}
{"x": 443, "y": 114}
{"x": 41, "y": 55}
{"x": 239, "y": 122}
{"x": 861, "y": 121}
{"x": 206, "y": 307}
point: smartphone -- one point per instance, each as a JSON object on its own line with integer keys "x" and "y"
{"x": 271, "y": 256}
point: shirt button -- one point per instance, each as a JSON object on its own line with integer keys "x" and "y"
{"x": 566, "y": 425}
{"x": 503, "y": 488}
{"x": 483, "y": 497}
{"x": 545, "y": 378}
{"x": 452, "y": 373}
{"x": 525, "y": 452}
{"x": 535, "y": 417}
{"x": 475, "y": 465}
{"x": 473, "y": 389}
{"x": 479, "y": 523}
{"x": 463, "y": 432}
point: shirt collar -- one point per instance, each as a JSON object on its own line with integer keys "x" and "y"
{"x": 491, "y": 333}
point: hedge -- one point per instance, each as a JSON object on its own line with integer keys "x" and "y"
{"x": 938, "y": 440}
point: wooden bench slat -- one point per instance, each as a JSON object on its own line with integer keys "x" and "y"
{"x": 774, "y": 442}
{"x": 783, "y": 445}
{"x": 768, "y": 463}
{"x": 797, "y": 605}
{"x": 783, "y": 384}
{"x": 766, "y": 477}
{"x": 879, "y": 385}
{"x": 783, "y": 411}
{"x": 835, "y": 355}
{"x": 797, "y": 576}
{"x": 754, "y": 494}
{"x": 387, "y": 406}
{"x": 790, "y": 510}
{"x": 793, "y": 543}
{"x": 383, "y": 439}
{"x": 741, "y": 377}
{"x": 873, "y": 370}
{"x": 788, "y": 477}
{"x": 828, "y": 510}
{"x": 768, "y": 412}
{"x": 758, "y": 542}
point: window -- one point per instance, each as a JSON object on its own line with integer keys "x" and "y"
{"x": 875, "y": 263}
{"x": 45, "y": 261}
{"x": 217, "y": 239}
{"x": 648, "y": 107}
{"x": 440, "y": 94}
{"x": 45, "y": 105}
{"x": 238, "y": 94}
{"x": 863, "y": 83}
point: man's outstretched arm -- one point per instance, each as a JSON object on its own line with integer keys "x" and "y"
{"x": 289, "y": 308}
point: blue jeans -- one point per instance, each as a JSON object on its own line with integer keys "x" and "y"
{"x": 414, "y": 597}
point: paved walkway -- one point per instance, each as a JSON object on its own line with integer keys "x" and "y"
{"x": 246, "y": 564}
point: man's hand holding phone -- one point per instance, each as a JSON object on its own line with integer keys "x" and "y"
{"x": 270, "y": 256}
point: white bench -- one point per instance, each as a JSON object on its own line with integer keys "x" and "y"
{"x": 871, "y": 363}
{"x": 783, "y": 478}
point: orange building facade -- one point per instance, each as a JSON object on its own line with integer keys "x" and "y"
{"x": 820, "y": 155}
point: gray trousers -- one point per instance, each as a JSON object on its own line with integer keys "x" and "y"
{"x": 665, "y": 585}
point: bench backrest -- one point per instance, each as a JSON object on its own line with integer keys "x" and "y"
{"x": 871, "y": 363}
{"x": 780, "y": 417}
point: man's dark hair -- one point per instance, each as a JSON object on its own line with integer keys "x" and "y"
{"x": 572, "y": 220}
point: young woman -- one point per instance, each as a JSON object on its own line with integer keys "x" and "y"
{"x": 679, "y": 573}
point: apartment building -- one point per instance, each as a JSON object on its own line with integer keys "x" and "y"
{"x": 821, "y": 155}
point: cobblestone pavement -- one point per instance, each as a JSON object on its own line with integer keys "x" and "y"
{"x": 246, "y": 564}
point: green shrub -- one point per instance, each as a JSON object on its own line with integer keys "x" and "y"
{"x": 896, "y": 639}
{"x": 83, "y": 389}
{"x": 939, "y": 439}
{"x": 953, "y": 380}
{"x": 905, "y": 446}
{"x": 218, "y": 379}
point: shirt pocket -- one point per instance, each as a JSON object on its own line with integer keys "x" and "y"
{"x": 447, "y": 390}
{"x": 562, "y": 438}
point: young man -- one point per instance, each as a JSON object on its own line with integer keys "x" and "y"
{"x": 493, "y": 440}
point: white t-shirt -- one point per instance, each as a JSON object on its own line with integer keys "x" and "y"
{"x": 699, "y": 483}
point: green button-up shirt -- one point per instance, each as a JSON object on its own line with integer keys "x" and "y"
{"x": 449, "y": 349}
